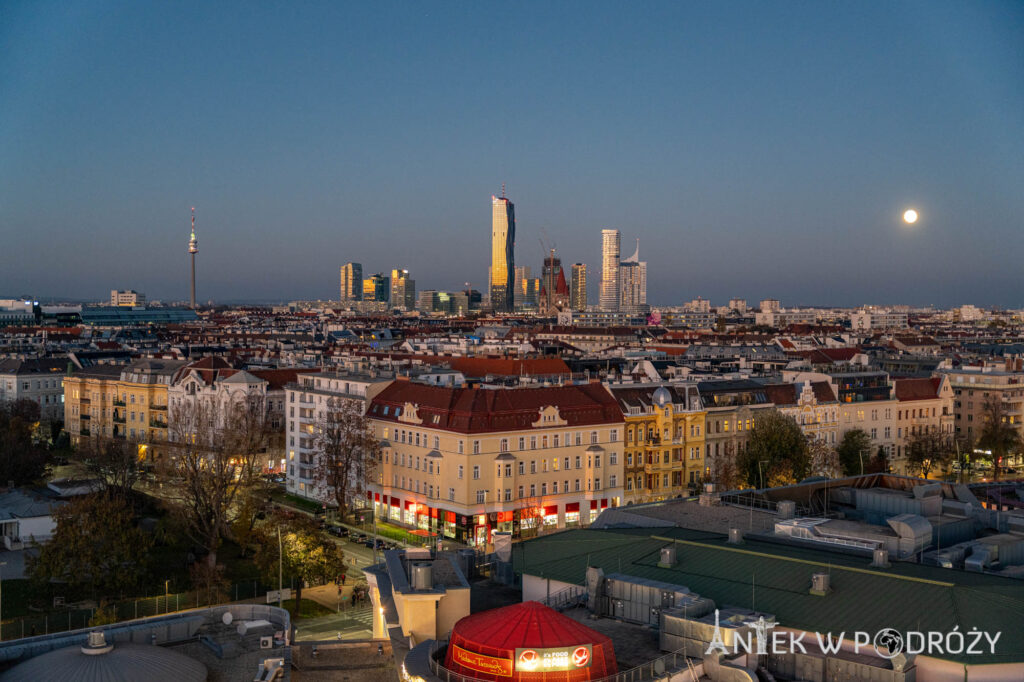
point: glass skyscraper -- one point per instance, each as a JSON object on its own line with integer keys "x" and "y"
{"x": 503, "y": 268}
{"x": 610, "y": 250}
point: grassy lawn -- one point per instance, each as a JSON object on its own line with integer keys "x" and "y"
{"x": 310, "y": 609}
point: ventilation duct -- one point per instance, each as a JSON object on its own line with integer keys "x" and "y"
{"x": 820, "y": 584}
{"x": 422, "y": 578}
{"x": 668, "y": 557}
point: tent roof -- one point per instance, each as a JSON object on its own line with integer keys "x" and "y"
{"x": 529, "y": 624}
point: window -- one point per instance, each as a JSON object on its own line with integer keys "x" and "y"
{"x": 597, "y": 460}
{"x": 576, "y": 487}
{"x": 460, "y": 471}
{"x": 462, "y": 446}
{"x": 508, "y": 494}
{"x": 543, "y": 488}
{"x": 520, "y": 492}
{"x": 504, "y": 445}
{"x": 522, "y": 468}
{"x": 554, "y": 441}
{"x": 554, "y": 488}
{"x": 554, "y": 464}
{"x": 629, "y": 459}
{"x": 613, "y": 458}
{"x": 593, "y": 437}
{"x": 508, "y": 470}
{"x": 614, "y": 438}
{"x": 544, "y": 442}
{"x": 579, "y": 438}
{"x": 533, "y": 442}
{"x": 565, "y": 463}
{"x": 533, "y": 490}
{"x": 476, "y": 472}
{"x": 522, "y": 443}
{"x": 480, "y": 496}
{"x": 577, "y": 461}
{"x": 451, "y": 494}
{"x": 533, "y": 466}
{"x": 476, "y": 447}
{"x": 437, "y": 443}
{"x": 612, "y": 480}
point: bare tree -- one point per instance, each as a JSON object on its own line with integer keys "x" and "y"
{"x": 115, "y": 460}
{"x": 724, "y": 471}
{"x": 998, "y": 434}
{"x": 824, "y": 458}
{"x": 347, "y": 452}
{"x": 928, "y": 448}
{"x": 216, "y": 449}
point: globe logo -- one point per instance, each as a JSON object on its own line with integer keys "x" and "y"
{"x": 888, "y": 643}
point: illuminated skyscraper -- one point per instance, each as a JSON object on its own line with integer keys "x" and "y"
{"x": 633, "y": 284}
{"x": 578, "y": 290}
{"x": 351, "y": 282}
{"x": 503, "y": 239}
{"x": 193, "y": 249}
{"x": 403, "y": 290}
{"x": 376, "y": 288}
{"x": 610, "y": 250}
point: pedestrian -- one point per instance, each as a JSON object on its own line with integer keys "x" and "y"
{"x": 342, "y": 578}
{"x": 339, "y": 590}
{"x": 380, "y": 649}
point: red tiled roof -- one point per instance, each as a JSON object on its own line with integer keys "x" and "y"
{"x": 789, "y": 394}
{"x": 482, "y": 410}
{"x": 917, "y": 389}
{"x": 277, "y": 378}
{"x": 479, "y": 367}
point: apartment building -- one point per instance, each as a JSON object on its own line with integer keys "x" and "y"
{"x": 40, "y": 381}
{"x": 121, "y": 401}
{"x": 664, "y": 443}
{"x": 973, "y": 385}
{"x": 812, "y": 404}
{"x": 467, "y": 462}
{"x": 307, "y": 401}
{"x": 731, "y": 407}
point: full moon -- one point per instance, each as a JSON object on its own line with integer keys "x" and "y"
{"x": 910, "y": 216}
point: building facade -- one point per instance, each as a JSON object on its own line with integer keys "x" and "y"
{"x": 664, "y": 444}
{"x": 40, "y": 381}
{"x": 633, "y": 284}
{"x": 403, "y": 290}
{"x": 503, "y": 267}
{"x": 610, "y": 250}
{"x": 467, "y": 462}
{"x": 351, "y": 282}
{"x": 376, "y": 288}
{"x": 578, "y": 289}
{"x": 130, "y": 298}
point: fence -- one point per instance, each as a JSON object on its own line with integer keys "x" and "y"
{"x": 72, "y": 618}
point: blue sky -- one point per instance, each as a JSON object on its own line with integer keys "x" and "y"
{"x": 756, "y": 149}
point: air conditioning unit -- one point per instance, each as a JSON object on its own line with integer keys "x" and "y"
{"x": 267, "y": 642}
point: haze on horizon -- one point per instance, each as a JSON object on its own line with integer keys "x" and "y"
{"x": 757, "y": 150}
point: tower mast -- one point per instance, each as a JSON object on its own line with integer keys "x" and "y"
{"x": 193, "y": 248}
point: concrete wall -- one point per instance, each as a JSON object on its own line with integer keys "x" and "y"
{"x": 536, "y": 588}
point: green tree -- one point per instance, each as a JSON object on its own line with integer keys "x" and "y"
{"x": 114, "y": 460}
{"x": 23, "y": 458}
{"x": 96, "y": 546}
{"x": 854, "y": 452}
{"x": 310, "y": 556}
{"x": 776, "y": 452}
{"x": 997, "y": 433}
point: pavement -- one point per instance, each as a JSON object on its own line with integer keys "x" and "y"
{"x": 348, "y": 622}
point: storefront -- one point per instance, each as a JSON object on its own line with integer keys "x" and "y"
{"x": 550, "y": 518}
{"x": 572, "y": 515}
{"x": 596, "y": 507}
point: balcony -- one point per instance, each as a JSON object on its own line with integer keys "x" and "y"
{"x": 85, "y": 416}
{"x": 118, "y": 419}
{"x": 162, "y": 408}
{"x": 85, "y": 431}
{"x": 154, "y": 424}
{"x": 118, "y": 403}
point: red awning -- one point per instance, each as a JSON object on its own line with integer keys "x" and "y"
{"x": 449, "y": 517}
{"x": 409, "y": 504}
{"x": 504, "y": 517}
{"x": 376, "y": 497}
{"x": 593, "y": 504}
{"x": 369, "y": 495}
{"x": 604, "y": 504}
{"x": 395, "y": 502}
{"x": 572, "y": 507}
{"x": 433, "y": 513}
{"x": 551, "y": 510}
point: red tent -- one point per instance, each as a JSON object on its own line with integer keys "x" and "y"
{"x": 528, "y": 642}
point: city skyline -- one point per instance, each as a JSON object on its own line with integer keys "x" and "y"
{"x": 747, "y": 141}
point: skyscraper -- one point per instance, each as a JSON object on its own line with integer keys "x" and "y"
{"x": 193, "y": 249}
{"x": 503, "y": 239}
{"x": 351, "y": 282}
{"x": 376, "y": 288}
{"x": 610, "y": 249}
{"x": 578, "y": 290}
{"x": 554, "y": 290}
{"x": 519, "y": 295}
{"x": 403, "y": 290}
{"x": 633, "y": 283}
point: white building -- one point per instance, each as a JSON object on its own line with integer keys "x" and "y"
{"x": 40, "y": 381}
{"x": 128, "y": 297}
{"x": 306, "y": 404}
{"x": 870, "y": 320}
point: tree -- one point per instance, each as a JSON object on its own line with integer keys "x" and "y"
{"x": 22, "y": 458}
{"x": 96, "y": 546}
{"x": 347, "y": 452}
{"x": 723, "y": 468}
{"x": 879, "y": 464}
{"x": 997, "y": 433}
{"x": 776, "y": 452}
{"x": 824, "y": 460}
{"x": 309, "y": 555}
{"x": 928, "y": 449}
{"x": 854, "y": 452}
{"x": 115, "y": 461}
{"x": 215, "y": 453}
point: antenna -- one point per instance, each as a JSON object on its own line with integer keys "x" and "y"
{"x": 503, "y": 190}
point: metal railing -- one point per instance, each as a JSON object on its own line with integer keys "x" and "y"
{"x": 577, "y": 595}
{"x": 654, "y": 669}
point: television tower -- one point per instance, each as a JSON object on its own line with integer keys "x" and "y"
{"x": 193, "y": 248}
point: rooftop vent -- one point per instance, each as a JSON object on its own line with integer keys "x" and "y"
{"x": 880, "y": 558}
{"x": 97, "y": 644}
{"x": 735, "y": 536}
{"x": 820, "y": 584}
{"x": 787, "y": 509}
{"x": 422, "y": 578}
{"x": 668, "y": 557}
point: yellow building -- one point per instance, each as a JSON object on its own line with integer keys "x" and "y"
{"x": 664, "y": 445}
{"x": 119, "y": 401}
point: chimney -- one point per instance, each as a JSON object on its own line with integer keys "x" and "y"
{"x": 735, "y": 536}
